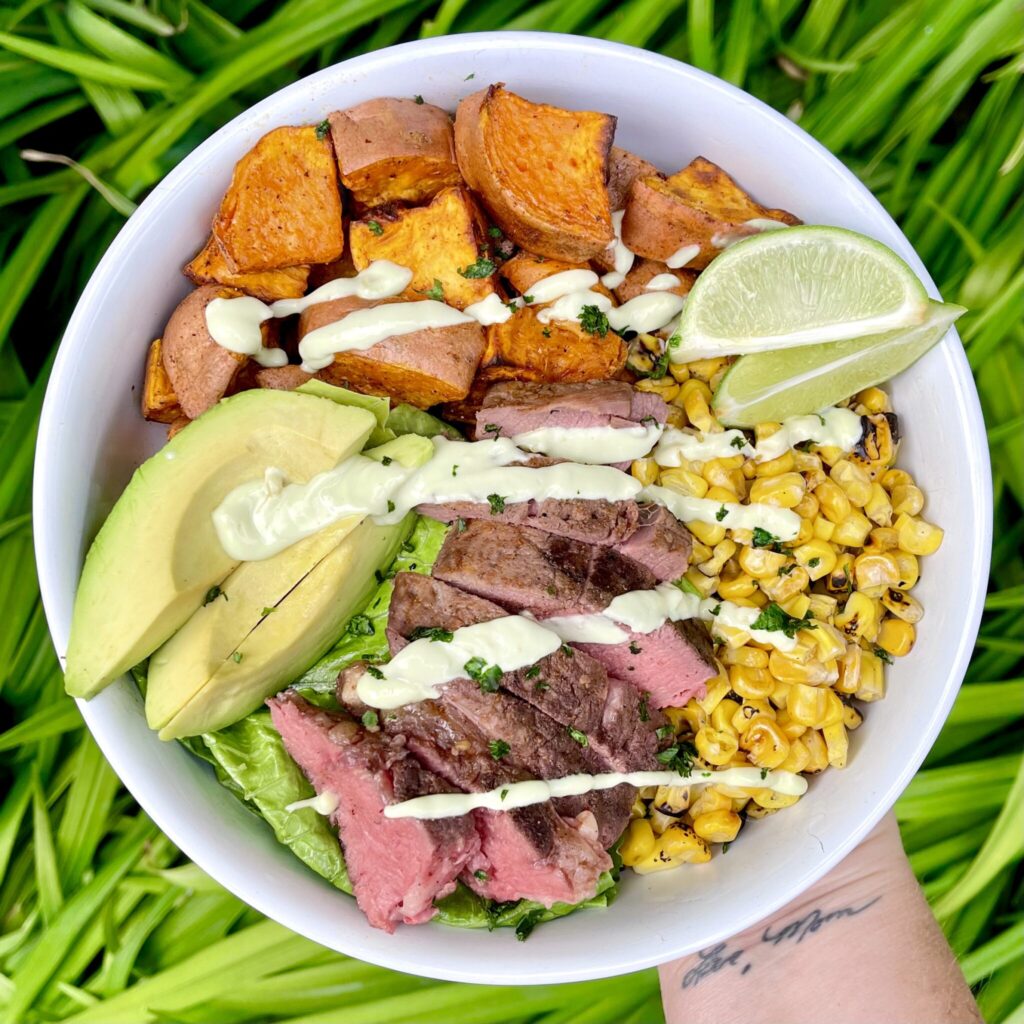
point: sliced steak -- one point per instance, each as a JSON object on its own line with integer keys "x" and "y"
{"x": 566, "y": 686}
{"x": 527, "y": 853}
{"x": 398, "y": 866}
{"x": 660, "y": 543}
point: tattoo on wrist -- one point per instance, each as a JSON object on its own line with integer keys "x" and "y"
{"x": 718, "y": 958}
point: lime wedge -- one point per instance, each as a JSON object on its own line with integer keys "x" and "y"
{"x": 800, "y": 286}
{"x": 766, "y": 387}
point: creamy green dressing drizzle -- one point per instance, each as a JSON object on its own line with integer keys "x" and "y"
{"x": 780, "y": 522}
{"x": 622, "y": 256}
{"x": 832, "y": 428}
{"x": 235, "y": 325}
{"x": 683, "y": 255}
{"x": 536, "y": 791}
{"x": 323, "y": 803}
{"x": 723, "y": 239}
{"x": 661, "y": 283}
{"x": 593, "y": 445}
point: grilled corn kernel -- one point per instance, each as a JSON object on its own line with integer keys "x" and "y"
{"x": 754, "y": 810}
{"x": 672, "y": 800}
{"x": 871, "y": 685}
{"x": 874, "y": 574}
{"x": 823, "y": 529}
{"x": 840, "y": 579}
{"x": 874, "y": 400}
{"x": 807, "y": 507}
{"x": 725, "y": 473}
{"x": 739, "y": 586}
{"x": 748, "y": 657}
{"x": 766, "y": 744}
{"x": 829, "y": 642}
{"x": 822, "y": 606}
{"x": 817, "y": 557}
{"x": 722, "y": 716}
{"x": 806, "y": 462}
{"x": 793, "y": 729}
{"x": 684, "y": 482}
{"x": 779, "y": 696}
{"x": 675, "y": 417}
{"x": 849, "y": 670}
{"x": 695, "y": 398}
{"x": 917, "y": 536}
{"x": 716, "y": 746}
{"x": 723, "y": 551}
{"x": 773, "y": 801}
{"x": 818, "y": 751}
{"x": 907, "y": 499}
{"x": 639, "y": 808}
{"x": 788, "y": 670}
{"x": 853, "y": 531}
{"x": 859, "y": 617}
{"x": 892, "y": 478}
{"x": 882, "y": 539}
{"x": 852, "y": 718}
{"x": 704, "y": 584}
{"x": 691, "y": 718}
{"x": 749, "y": 710}
{"x": 760, "y": 562}
{"x": 879, "y": 443}
{"x": 709, "y": 799}
{"x": 903, "y": 606}
{"x": 910, "y": 569}
{"x": 718, "y": 826}
{"x": 833, "y": 708}
{"x": 750, "y": 683}
{"x": 798, "y": 605}
{"x": 798, "y": 757}
{"x": 853, "y": 480}
{"x": 837, "y": 744}
{"x": 805, "y": 533}
{"x": 645, "y": 470}
{"x": 784, "y": 491}
{"x": 717, "y": 688}
{"x": 835, "y": 505}
{"x": 666, "y": 388}
{"x": 785, "y": 586}
{"x": 896, "y": 636}
{"x": 785, "y": 463}
{"x": 705, "y": 369}
{"x": 878, "y": 507}
{"x": 638, "y": 842}
{"x": 679, "y": 371}
{"x": 679, "y": 844}
{"x": 709, "y": 533}
{"x": 807, "y": 705}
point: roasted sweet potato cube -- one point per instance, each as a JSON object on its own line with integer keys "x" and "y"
{"x": 394, "y": 149}
{"x": 200, "y": 371}
{"x": 541, "y": 171}
{"x": 210, "y": 266}
{"x": 436, "y": 241}
{"x": 283, "y": 207}
{"x": 556, "y": 351}
{"x": 623, "y": 168}
{"x": 701, "y": 206}
{"x": 644, "y": 271}
{"x": 525, "y": 269}
{"x": 159, "y": 402}
{"x": 422, "y": 368}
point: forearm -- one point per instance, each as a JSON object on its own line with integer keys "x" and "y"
{"x": 861, "y": 947}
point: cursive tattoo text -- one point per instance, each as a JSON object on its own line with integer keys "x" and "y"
{"x": 711, "y": 961}
{"x": 799, "y": 929}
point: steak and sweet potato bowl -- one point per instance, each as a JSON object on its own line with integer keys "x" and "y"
{"x": 524, "y": 515}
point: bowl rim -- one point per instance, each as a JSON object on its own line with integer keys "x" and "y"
{"x": 46, "y": 485}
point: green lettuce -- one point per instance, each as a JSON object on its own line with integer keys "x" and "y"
{"x": 407, "y": 419}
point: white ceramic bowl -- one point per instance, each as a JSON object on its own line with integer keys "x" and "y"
{"x": 91, "y": 437}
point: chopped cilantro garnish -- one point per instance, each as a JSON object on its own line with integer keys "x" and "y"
{"x": 268, "y": 611}
{"x": 542, "y": 686}
{"x": 566, "y": 650}
{"x": 486, "y": 676}
{"x": 528, "y": 299}
{"x": 739, "y": 443}
{"x": 763, "y": 539}
{"x": 497, "y": 503}
{"x": 883, "y": 654}
{"x": 678, "y": 757}
{"x": 498, "y": 749}
{"x": 785, "y": 570}
{"x": 716, "y": 610}
{"x": 642, "y": 708}
{"x": 455, "y": 469}
{"x": 391, "y": 505}
{"x": 634, "y": 647}
{"x": 483, "y": 267}
{"x": 370, "y": 719}
{"x": 480, "y": 875}
{"x": 460, "y": 525}
{"x": 375, "y": 227}
{"x": 433, "y": 633}
{"x": 664, "y": 732}
{"x": 764, "y": 773}
{"x": 386, "y": 460}
{"x": 492, "y": 428}
{"x": 237, "y": 657}
{"x": 532, "y": 672}
{"x": 417, "y": 98}
{"x": 212, "y": 594}
{"x": 504, "y": 793}
{"x": 322, "y": 129}
{"x": 687, "y": 587}
{"x": 359, "y": 625}
{"x": 721, "y": 514}
{"x": 546, "y": 332}
{"x": 775, "y": 619}
{"x": 593, "y": 321}
{"x": 813, "y": 563}
{"x": 472, "y": 74}
{"x": 436, "y": 292}
{"x": 579, "y": 737}
{"x": 494, "y": 231}
{"x": 374, "y": 672}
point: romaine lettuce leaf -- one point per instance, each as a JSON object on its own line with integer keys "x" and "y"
{"x": 407, "y": 419}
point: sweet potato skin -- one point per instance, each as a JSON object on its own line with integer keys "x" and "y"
{"x": 199, "y": 370}
{"x": 623, "y": 168}
{"x": 159, "y": 402}
{"x": 691, "y": 207}
{"x": 394, "y": 149}
{"x": 436, "y": 241}
{"x": 422, "y": 368}
{"x": 210, "y": 266}
{"x": 541, "y": 171}
{"x": 283, "y": 207}
{"x": 644, "y": 271}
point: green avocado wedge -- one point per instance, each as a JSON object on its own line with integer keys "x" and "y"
{"x": 157, "y": 555}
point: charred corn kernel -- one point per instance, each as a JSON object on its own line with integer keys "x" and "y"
{"x": 677, "y": 716}
{"x": 910, "y": 569}
{"x": 755, "y": 683}
{"x": 755, "y": 810}
{"x": 771, "y": 800}
{"x": 835, "y": 505}
{"x": 907, "y": 499}
{"x": 747, "y": 656}
{"x": 807, "y": 507}
{"x": 668, "y": 389}
{"x": 787, "y": 670}
{"x": 882, "y": 539}
{"x": 729, "y": 635}
{"x": 639, "y": 808}
{"x": 647, "y": 792}
{"x": 691, "y": 718}
{"x": 853, "y": 531}
{"x": 806, "y": 462}
{"x": 823, "y": 529}
{"x": 874, "y": 400}
{"x": 718, "y": 826}
{"x": 818, "y": 558}
{"x": 892, "y": 478}
{"x": 789, "y": 725}
{"x": 805, "y": 533}
{"x": 878, "y": 507}
{"x": 840, "y": 579}
{"x": 896, "y": 636}
{"x": 830, "y": 454}
{"x": 779, "y": 695}
{"x": 766, "y": 744}
{"x": 684, "y": 482}
{"x": 903, "y": 606}
{"x": 859, "y": 617}
{"x": 833, "y": 708}
{"x": 709, "y": 799}
{"x": 852, "y": 718}
{"x": 829, "y": 642}
{"x": 678, "y": 844}
{"x": 722, "y": 716}
{"x": 814, "y": 479}
{"x": 717, "y": 688}
{"x": 798, "y": 605}
{"x": 798, "y": 757}
{"x": 733, "y": 587}
{"x": 723, "y": 551}
{"x": 659, "y": 820}
{"x": 709, "y": 533}
{"x": 645, "y": 470}
{"x": 756, "y": 600}
{"x": 783, "y": 491}
{"x": 918, "y": 537}
{"x": 716, "y": 745}
{"x": 672, "y": 800}
{"x": 807, "y": 705}
{"x": 785, "y": 463}
{"x": 726, "y": 473}
{"x": 695, "y": 398}
{"x": 879, "y": 443}
{"x": 822, "y": 606}
{"x": 699, "y": 552}
{"x": 749, "y": 710}
{"x": 720, "y": 493}
{"x": 818, "y": 751}
{"x": 679, "y": 371}
{"x": 849, "y": 670}
{"x": 760, "y": 562}
{"x": 874, "y": 574}
{"x": 853, "y": 480}
{"x": 871, "y": 684}
{"x": 766, "y": 429}
{"x": 837, "y": 744}
{"x": 786, "y": 586}
{"x": 705, "y": 369}
{"x": 675, "y": 417}
{"x": 638, "y": 843}
{"x": 704, "y": 584}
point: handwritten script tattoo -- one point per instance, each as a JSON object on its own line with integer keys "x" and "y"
{"x": 799, "y": 929}
{"x": 714, "y": 959}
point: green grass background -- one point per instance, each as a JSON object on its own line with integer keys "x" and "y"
{"x": 100, "y": 918}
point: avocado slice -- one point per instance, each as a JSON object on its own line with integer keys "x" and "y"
{"x": 273, "y": 618}
{"x": 157, "y": 555}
